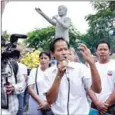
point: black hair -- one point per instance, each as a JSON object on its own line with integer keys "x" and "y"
{"x": 105, "y": 42}
{"x": 15, "y": 54}
{"x": 46, "y": 53}
{"x": 52, "y": 44}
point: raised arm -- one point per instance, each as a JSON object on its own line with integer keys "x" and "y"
{"x": 96, "y": 81}
{"x": 53, "y": 91}
{"x": 45, "y": 16}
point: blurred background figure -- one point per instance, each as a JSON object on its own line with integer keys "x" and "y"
{"x": 73, "y": 55}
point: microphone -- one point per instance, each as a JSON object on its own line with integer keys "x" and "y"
{"x": 14, "y": 37}
{"x": 63, "y": 58}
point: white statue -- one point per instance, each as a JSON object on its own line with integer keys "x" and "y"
{"x": 61, "y": 22}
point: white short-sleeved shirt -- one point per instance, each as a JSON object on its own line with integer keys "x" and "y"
{"x": 107, "y": 74}
{"x": 33, "y": 105}
{"x": 79, "y": 76}
{"x": 22, "y": 68}
{"x": 23, "y": 71}
{"x": 31, "y": 80}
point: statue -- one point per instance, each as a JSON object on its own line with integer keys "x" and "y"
{"x": 61, "y": 22}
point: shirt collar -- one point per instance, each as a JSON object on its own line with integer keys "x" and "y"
{"x": 71, "y": 65}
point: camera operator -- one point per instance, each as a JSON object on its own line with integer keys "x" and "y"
{"x": 15, "y": 55}
{"x": 12, "y": 88}
{"x": 11, "y": 84}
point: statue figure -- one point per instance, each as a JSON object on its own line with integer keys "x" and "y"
{"x": 61, "y": 22}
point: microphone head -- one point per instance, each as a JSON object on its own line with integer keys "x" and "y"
{"x": 62, "y": 58}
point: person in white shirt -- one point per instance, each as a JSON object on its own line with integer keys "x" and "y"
{"x": 66, "y": 83}
{"x": 15, "y": 55}
{"x": 37, "y": 100}
{"x": 105, "y": 100}
{"x": 16, "y": 86}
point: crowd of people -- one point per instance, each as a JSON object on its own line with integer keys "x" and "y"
{"x": 61, "y": 84}
{"x": 67, "y": 86}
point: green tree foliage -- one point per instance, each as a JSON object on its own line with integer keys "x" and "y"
{"x": 100, "y": 24}
{"x": 6, "y": 36}
{"x": 41, "y": 38}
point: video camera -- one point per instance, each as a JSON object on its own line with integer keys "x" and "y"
{"x": 9, "y": 47}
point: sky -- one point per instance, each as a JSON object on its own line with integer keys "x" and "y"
{"x": 20, "y": 16}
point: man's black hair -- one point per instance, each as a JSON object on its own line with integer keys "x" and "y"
{"x": 103, "y": 42}
{"x": 52, "y": 44}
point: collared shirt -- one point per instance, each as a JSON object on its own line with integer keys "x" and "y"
{"x": 19, "y": 87}
{"x": 80, "y": 79}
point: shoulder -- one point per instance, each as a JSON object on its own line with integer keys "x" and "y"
{"x": 77, "y": 65}
{"x": 112, "y": 64}
{"x": 22, "y": 65}
{"x": 112, "y": 61}
{"x": 33, "y": 70}
{"x": 50, "y": 69}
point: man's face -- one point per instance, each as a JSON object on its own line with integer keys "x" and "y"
{"x": 61, "y": 50}
{"x": 61, "y": 11}
{"x": 103, "y": 52}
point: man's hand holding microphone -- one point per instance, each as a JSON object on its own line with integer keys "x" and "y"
{"x": 62, "y": 66}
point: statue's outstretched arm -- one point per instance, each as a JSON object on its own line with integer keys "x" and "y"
{"x": 45, "y": 16}
{"x": 65, "y": 23}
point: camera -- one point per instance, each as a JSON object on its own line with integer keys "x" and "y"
{"x": 8, "y": 49}
{"x": 6, "y": 64}
{"x": 11, "y": 46}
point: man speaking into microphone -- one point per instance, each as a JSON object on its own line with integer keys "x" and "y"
{"x": 66, "y": 83}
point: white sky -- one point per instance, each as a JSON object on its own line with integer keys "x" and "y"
{"x": 20, "y": 17}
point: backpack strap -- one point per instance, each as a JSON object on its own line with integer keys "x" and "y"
{"x": 15, "y": 69}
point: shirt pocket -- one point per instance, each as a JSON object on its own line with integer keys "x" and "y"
{"x": 76, "y": 87}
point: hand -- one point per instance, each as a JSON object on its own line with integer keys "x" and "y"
{"x": 86, "y": 53}
{"x": 62, "y": 65}
{"x": 44, "y": 105}
{"x": 55, "y": 17}
{"x": 9, "y": 89}
{"x": 103, "y": 111}
{"x": 101, "y": 106}
{"x": 38, "y": 10}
